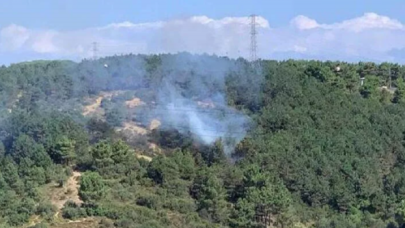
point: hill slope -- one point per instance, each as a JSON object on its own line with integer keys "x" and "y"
{"x": 289, "y": 144}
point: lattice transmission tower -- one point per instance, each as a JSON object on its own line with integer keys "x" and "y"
{"x": 253, "y": 40}
{"x": 95, "y": 50}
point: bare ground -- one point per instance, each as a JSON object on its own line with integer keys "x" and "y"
{"x": 89, "y": 109}
{"x": 155, "y": 148}
{"x": 132, "y": 127}
{"x": 70, "y": 191}
{"x": 58, "y": 196}
{"x": 134, "y": 103}
{"x": 80, "y": 223}
{"x": 155, "y": 123}
{"x": 92, "y": 108}
{"x": 147, "y": 158}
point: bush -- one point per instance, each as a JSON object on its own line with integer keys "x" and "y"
{"x": 91, "y": 186}
{"x": 149, "y": 200}
{"x": 184, "y": 206}
{"x": 69, "y": 171}
{"x": 106, "y": 223}
{"x": 17, "y": 219}
{"x": 125, "y": 223}
{"x": 46, "y": 210}
{"x": 72, "y": 211}
{"x": 115, "y": 116}
{"x": 151, "y": 224}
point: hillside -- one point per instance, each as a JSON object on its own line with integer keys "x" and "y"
{"x": 201, "y": 141}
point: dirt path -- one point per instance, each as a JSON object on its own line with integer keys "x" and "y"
{"x": 80, "y": 223}
{"x": 70, "y": 191}
{"x": 58, "y": 196}
{"x": 73, "y": 185}
{"x": 93, "y": 107}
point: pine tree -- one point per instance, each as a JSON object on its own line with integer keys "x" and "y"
{"x": 63, "y": 151}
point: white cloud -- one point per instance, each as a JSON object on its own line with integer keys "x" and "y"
{"x": 13, "y": 37}
{"x": 368, "y": 37}
{"x": 367, "y": 21}
{"x": 299, "y": 49}
{"x": 44, "y": 42}
{"x": 128, "y": 24}
{"x": 302, "y": 22}
{"x": 203, "y": 20}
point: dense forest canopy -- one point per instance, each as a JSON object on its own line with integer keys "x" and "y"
{"x": 279, "y": 144}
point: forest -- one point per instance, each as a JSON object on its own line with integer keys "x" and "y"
{"x": 315, "y": 144}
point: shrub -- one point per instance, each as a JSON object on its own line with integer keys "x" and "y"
{"x": 150, "y": 201}
{"x": 72, "y": 211}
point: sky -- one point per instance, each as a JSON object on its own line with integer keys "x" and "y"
{"x": 360, "y": 30}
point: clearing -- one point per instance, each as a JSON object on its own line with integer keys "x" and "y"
{"x": 95, "y": 103}
{"x": 134, "y": 103}
{"x": 70, "y": 191}
{"x": 89, "y": 109}
{"x": 58, "y": 196}
{"x": 154, "y": 124}
{"x": 132, "y": 127}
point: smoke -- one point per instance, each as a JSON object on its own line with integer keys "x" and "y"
{"x": 191, "y": 98}
{"x": 193, "y": 94}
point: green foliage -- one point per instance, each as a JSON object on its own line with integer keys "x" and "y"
{"x": 163, "y": 170}
{"x": 210, "y": 194}
{"x": 115, "y": 116}
{"x": 73, "y": 211}
{"x": 91, "y": 186}
{"x": 370, "y": 87}
{"x": 63, "y": 151}
{"x": 399, "y": 96}
{"x": 322, "y": 149}
{"x": 46, "y": 211}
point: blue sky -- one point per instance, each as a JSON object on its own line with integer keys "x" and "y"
{"x": 317, "y": 29}
{"x": 76, "y": 14}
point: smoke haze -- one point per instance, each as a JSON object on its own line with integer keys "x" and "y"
{"x": 191, "y": 98}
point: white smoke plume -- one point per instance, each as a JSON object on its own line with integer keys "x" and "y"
{"x": 192, "y": 98}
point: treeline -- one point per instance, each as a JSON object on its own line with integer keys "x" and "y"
{"x": 325, "y": 149}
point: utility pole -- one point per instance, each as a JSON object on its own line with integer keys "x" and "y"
{"x": 253, "y": 41}
{"x": 95, "y": 50}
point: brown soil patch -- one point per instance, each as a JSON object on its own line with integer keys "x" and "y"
{"x": 147, "y": 158}
{"x": 154, "y": 124}
{"x": 92, "y": 108}
{"x": 132, "y": 127}
{"x": 70, "y": 191}
{"x": 58, "y": 196}
{"x": 35, "y": 219}
{"x": 134, "y": 103}
{"x": 155, "y": 148}
{"x": 80, "y": 223}
{"x": 89, "y": 109}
